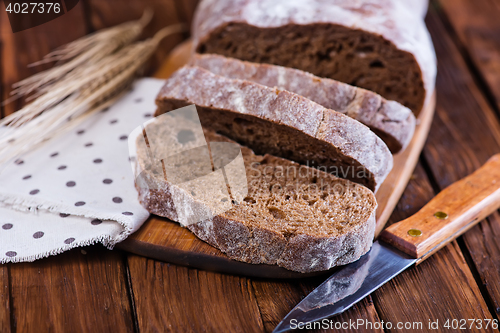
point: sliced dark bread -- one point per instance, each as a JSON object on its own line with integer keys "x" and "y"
{"x": 293, "y": 216}
{"x": 280, "y": 123}
{"x": 391, "y": 121}
{"x": 379, "y": 45}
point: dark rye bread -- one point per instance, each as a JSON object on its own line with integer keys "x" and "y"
{"x": 280, "y": 123}
{"x": 391, "y": 121}
{"x": 379, "y": 45}
{"x": 293, "y": 216}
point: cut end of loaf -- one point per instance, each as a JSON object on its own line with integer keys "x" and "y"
{"x": 348, "y": 55}
{"x": 291, "y": 199}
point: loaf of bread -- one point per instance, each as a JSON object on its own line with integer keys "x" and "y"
{"x": 280, "y": 123}
{"x": 379, "y": 45}
{"x": 391, "y": 121}
{"x": 297, "y": 217}
{"x": 418, "y": 6}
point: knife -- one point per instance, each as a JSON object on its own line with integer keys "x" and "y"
{"x": 452, "y": 212}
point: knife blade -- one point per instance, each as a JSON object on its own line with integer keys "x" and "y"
{"x": 409, "y": 242}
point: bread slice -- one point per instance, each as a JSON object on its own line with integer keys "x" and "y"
{"x": 391, "y": 121}
{"x": 293, "y": 216}
{"x": 379, "y": 45}
{"x": 280, "y": 123}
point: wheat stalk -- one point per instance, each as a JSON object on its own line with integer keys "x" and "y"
{"x": 68, "y": 94}
{"x": 88, "y": 49}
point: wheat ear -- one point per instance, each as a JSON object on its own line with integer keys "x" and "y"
{"x": 67, "y": 100}
{"x": 88, "y": 49}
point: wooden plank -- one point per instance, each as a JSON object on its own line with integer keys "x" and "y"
{"x": 277, "y": 298}
{"x": 186, "y": 9}
{"x": 484, "y": 248}
{"x": 180, "y": 299}
{"x": 394, "y": 185}
{"x": 441, "y": 288}
{"x": 75, "y": 291}
{"x": 418, "y": 193}
{"x": 465, "y": 133}
{"x": 4, "y": 299}
{"x": 109, "y": 13}
{"x": 477, "y": 26}
{"x": 28, "y": 46}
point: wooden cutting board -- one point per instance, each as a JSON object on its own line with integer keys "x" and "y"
{"x": 162, "y": 239}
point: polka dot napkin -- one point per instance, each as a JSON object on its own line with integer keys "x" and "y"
{"x": 76, "y": 189}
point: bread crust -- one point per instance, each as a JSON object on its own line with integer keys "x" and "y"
{"x": 301, "y": 253}
{"x": 395, "y": 25}
{"x": 391, "y": 121}
{"x": 288, "y": 118}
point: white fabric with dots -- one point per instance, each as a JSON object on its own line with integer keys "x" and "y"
{"x": 77, "y": 189}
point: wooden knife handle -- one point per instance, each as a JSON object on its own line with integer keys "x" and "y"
{"x": 452, "y": 212}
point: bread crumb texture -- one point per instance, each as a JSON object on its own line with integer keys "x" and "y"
{"x": 294, "y": 216}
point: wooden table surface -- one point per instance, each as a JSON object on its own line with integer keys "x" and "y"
{"x": 94, "y": 289}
